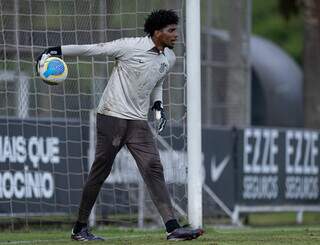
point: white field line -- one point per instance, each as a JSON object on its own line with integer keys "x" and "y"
{"x": 67, "y": 240}
{"x": 33, "y": 241}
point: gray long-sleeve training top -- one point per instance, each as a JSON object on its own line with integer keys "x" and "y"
{"x": 138, "y": 73}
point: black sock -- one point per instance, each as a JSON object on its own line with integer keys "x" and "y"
{"x": 78, "y": 226}
{"x": 171, "y": 225}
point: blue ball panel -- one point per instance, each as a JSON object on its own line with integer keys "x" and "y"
{"x": 55, "y": 68}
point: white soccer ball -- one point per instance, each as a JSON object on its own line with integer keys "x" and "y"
{"x": 52, "y": 70}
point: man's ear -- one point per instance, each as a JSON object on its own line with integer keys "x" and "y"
{"x": 157, "y": 34}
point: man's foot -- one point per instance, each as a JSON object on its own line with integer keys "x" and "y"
{"x": 183, "y": 233}
{"x": 85, "y": 235}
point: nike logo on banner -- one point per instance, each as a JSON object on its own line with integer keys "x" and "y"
{"x": 216, "y": 170}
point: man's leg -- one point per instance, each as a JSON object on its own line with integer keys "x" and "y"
{"x": 142, "y": 146}
{"x": 110, "y": 139}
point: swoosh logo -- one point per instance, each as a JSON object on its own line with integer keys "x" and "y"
{"x": 216, "y": 170}
{"x": 138, "y": 60}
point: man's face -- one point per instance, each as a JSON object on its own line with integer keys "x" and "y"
{"x": 168, "y": 36}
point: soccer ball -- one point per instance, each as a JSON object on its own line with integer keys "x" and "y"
{"x": 53, "y": 70}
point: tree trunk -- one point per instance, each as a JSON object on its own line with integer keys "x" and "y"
{"x": 311, "y": 60}
{"x": 238, "y": 85}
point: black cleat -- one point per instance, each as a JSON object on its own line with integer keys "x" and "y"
{"x": 85, "y": 235}
{"x": 181, "y": 234}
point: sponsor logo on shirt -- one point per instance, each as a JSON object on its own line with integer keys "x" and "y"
{"x": 163, "y": 67}
{"x": 139, "y": 61}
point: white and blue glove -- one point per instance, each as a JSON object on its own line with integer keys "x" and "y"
{"x": 52, "y": 51}
{"x": 158, "y": 108}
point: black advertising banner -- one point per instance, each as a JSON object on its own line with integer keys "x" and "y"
{"x": 218, "y": 147}
{"x": 278, "y": 166}
{"x": 42, "y": 164}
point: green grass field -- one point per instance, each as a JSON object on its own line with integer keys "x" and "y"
{"x": 296, "y": 235}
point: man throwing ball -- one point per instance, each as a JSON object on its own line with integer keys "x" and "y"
{"x": 142, "y": 63}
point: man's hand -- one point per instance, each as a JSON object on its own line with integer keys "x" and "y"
{"x": 158, "y": 108}
{"x": 53, "y": 51}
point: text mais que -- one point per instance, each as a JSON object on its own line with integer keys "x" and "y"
{"x": 23, "y": 161}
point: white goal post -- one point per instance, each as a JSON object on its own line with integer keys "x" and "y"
{"x": 193, "y": 29}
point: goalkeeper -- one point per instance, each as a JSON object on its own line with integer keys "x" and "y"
{"x": 142, "y": 63}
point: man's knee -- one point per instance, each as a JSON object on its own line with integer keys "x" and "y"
{"x": 154, "y": 166}
{"x": 99, "y": 171}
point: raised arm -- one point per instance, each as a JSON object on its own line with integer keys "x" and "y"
{"x": 114, "y": 48}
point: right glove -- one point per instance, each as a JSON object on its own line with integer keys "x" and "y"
{"x": 157, "y": 106}
{"x": 52, "y": 51}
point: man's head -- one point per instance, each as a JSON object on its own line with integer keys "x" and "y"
{"x": 161, "y": 25}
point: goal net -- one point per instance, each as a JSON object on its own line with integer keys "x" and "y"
{"x": 47, "y": 132}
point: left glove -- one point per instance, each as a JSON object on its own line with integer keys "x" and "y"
{"x": 52, "y": 51}
{"x": 158, "y": 108}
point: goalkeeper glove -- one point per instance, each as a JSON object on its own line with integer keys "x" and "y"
{"x": 52, "y": 51}
{"x": 158, "y": 108}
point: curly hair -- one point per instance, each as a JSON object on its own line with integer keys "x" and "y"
{"x": 159, "y": 19}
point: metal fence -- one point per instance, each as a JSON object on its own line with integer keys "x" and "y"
{"x": 29, "y": 26}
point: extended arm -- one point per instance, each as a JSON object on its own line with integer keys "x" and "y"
{"x": 114, "y": 48}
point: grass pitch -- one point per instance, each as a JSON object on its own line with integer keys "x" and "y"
{"x": 297, "y": 235}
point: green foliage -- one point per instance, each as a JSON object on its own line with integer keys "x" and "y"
{"x": 289, "y": 8}
{"x": 268, "y": 22}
